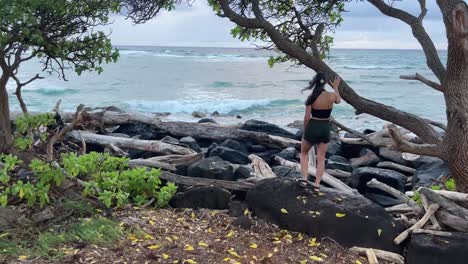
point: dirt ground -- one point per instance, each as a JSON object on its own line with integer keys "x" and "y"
{"x": 201, "y": 236}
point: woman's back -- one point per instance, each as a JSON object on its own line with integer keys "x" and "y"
{"x": 324, "y": 101}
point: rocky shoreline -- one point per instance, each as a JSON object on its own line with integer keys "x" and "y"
{"x": 253, "y": 167}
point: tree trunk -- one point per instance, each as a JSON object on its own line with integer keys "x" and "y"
{"x": 456, "y": 91}
{"x": 6, "y": 138}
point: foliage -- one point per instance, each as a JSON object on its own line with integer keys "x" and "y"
{"x": 31, "y": 128}
{"x": 308, "y": 24}
{"x": 449, "y": 185}
{"x": 107, "y": 177}
{"x": 62, "y": 34}
{"x": 114, "y": 184}
{"x": 33, "y": 191}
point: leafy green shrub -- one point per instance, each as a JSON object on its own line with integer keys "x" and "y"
{"x": 30, "y": 128}
{"x": 110, "y": 179}
{"x": 33, "y": 191}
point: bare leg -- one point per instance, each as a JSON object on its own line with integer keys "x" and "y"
{"x": 321, "y": 151}
{"x": 305, "y": 147}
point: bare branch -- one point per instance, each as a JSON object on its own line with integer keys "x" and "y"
{"x": 406, "y": 146}
{"x": 352, "y": 131}
{"x": 419, "y": 32}
{"x": 419, "y": 77}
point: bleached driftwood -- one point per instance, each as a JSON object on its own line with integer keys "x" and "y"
{"x": 371, "y": 257}
{"x": 433, "y": 219}
{"x": 432, "y": 232}
{"x": 381, "y": 254}
{"x": 430, "y": 211}
{"x": 374, "y": 183}
{"x": 454, "y": 196}
{"x": 395, "y": 166}
{"x": 445, "y": 203}
{"x": 452, "y": 221}
{"x": 129, "y": 143}
{"x": 327, "y": 178}
{"x": 339, "y": 173}
{"x": 261, "y": 169}
{"x": 194, "y": 181}
{"x": 151, "y": 164}
{"x": 178, "y": 160}
{"x": 399, "y": 208}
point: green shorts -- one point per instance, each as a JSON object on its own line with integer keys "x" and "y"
{"x": 317, "y": 131}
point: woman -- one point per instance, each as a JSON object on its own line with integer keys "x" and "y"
{"x": 319, "y": 106}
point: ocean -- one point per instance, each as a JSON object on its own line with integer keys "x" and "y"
{"x": 234, "y": 82}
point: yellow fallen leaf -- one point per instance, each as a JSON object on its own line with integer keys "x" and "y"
{"x": 313, "y": 242}
{"x": 275, "y": 249}
{"x": 303, "y": 261}
{"x": 340, "y": 215}
{"x": 213, "y": 213}
{"x": 190, "y": 261}
{"x": 299, "y": 237}
{"x": 202, "y": 244}
{"x": 175, "y": 261}
{"x": 270, "y": 255}
{"x": 169, "y": 239}
{"x": 149, "y": 236}
{"x": 246, "y": 212}
{"x": 234, "y": 253}
{"x": 210, "y": 230}
{"x": 22, "y": 257}
{"x": 165, "y": 256}
{"x": 230, "y": 234}
{"x": 175, "y": 237}
{"x": 226, "y": 259}
{"x": 379, "y": 231}
{"x": 192, "y": 215}
{"x": 188, "y": 247}
{"x": 284, "y": 211}
{"x": 288, "y": 236}
{"x": 323, "y": 255}
{"x": 253, "y": 246}
{"x": 151, "y": 222}
{"x": 358, "y": 262}
{"x": 154, "y": 247}
{"x": 277, "y": 242}
{"x": 315, "y": 258}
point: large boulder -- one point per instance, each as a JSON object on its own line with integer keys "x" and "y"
{"x": 361, "y": 176}
{"x": 243, "y": 172}
{"x": 202, "y": 197}
{"x": 212, "y": 168}
{"x": 334, "y": 148}
{"x": 207, "y": 120}
{"x": 288, "y": 154}
{"x": 427, "y": 174}
{"x": 142, "y": 130}
{"x": 336, "y": 162}
{"x": 262, "y": 126}
{"x": 283, "y": 171}
{"x": 190, "y": 142}
{"x": 367, "y": 158}
{"x": 230, "y": 155}
{"x": 235, "y": 145}
{"x": 430, "y": 249}
{"x": 382, "y": 200}
{"x": 351, "y": 220}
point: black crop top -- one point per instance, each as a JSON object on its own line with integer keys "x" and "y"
{"x": 321, "y": 113}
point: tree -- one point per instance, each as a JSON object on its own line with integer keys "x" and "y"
{"x": 301, "y": 31}
{"x": 62, "y": 34}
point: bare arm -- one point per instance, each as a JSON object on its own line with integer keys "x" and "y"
{"x": 335, "y": 85}
{"x": 307, "y": 116}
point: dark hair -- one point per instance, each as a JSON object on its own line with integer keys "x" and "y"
{"x": 317, "y": 85}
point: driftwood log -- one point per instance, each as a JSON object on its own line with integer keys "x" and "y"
{"x": 178, "y": 160}
{"x": 129, "y": 143}
{"x": 395, "y": 166}
{"x": 326, "y": 178}
{"x": 445, "y": 203}
{"x": 151, "y": 164}
{"x": 371, "y": 257}
{"x": 192, "y": 181}
{"x": 374, "y": 183}
{"x": 182, "y": 129}
{"x": 261, "y": 169}
{"x": 404, "y": 235}
{"x": 433, "y": 219}
{"x": 381, "y": 254}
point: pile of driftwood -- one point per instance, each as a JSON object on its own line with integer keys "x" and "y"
{"x": 437, "y": 210}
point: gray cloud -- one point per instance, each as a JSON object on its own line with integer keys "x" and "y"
{"x": 197, "y": 25}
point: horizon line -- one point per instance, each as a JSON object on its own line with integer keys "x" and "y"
{"x": 253, "y": 48}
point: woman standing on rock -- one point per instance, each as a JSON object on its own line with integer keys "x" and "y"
{"x": 319, "y": 106}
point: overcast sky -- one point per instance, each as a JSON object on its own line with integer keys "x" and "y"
{"x": 364, "y": 27}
